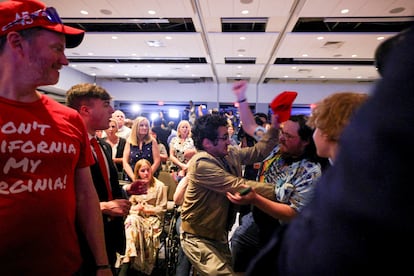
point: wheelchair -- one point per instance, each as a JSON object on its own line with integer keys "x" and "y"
{"x": 172, "y": 243}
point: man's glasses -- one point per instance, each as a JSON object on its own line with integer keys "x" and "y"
{"x": 50, "y": 14}
{"x": 286, "y": 135}
{"x": 224, "y": 137}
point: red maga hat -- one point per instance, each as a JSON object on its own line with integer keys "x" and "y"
{"x": 17, "y": 15}
{"x": 282, "y": 105}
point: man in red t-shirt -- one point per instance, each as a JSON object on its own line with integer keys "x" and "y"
{"x": 46, "y": 189}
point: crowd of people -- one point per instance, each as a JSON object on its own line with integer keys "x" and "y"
{"x": 316, "y": 194}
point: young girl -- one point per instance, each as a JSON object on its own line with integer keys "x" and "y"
{"x": 143, "y": 226}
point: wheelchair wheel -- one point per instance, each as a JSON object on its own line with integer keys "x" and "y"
{"x": 172, "y": 245}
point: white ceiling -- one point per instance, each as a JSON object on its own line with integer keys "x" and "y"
{"x": 209, "y": 42}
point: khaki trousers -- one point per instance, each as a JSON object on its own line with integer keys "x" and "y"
{"x": 209, "y": 257}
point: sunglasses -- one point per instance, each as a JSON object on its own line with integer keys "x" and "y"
{"x": 50, "y": 14}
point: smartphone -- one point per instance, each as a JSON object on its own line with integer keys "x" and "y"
{"x": 245, "y": 191}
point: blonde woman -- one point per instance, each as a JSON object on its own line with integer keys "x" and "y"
{"x": 117, "y": 144}
{"x": 140, "y": 145}
{"x": 182, "y": 147}
{"x": 143, "y": 226}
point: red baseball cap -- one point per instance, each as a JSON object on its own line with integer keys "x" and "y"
{"x": 282, "y": 105}
{"x": 17, "y": 15}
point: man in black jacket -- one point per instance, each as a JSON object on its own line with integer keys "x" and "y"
{"x": 93, "y": 104}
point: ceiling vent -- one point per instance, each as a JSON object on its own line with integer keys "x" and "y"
{"x": 136, "y": 80}
{"x": 330, "y": 61}
{"x": 233, "y": 79}
{"x": 125, "y": 25}
{"x": 353, "y": 24}
{"x": 237, "y": 60}
{"x": 332, "y": 45}
{"x": 304, "y": 71}
{"x": 201, "y": 60}
{"x": 244, "y": 24}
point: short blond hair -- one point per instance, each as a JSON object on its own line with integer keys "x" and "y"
{"x": 333, "y": 113}
{"x": 180, "y": 124}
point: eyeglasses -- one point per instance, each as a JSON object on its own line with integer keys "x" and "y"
{"x": 287, "y": 135}
{"x": 50, "y": 14}
{"x": 224, "y": 137}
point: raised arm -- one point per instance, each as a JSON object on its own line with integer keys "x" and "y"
{"x": 246, "y": 115}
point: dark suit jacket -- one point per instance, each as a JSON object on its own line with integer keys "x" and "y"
{"x": 120, "y": 152}
{"x": 113, "y": 227}
{"x": 98, "y": 179}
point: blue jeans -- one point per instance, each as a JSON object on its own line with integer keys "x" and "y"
{"x": 245, "y": 243}
{"x": 183, "y": 264}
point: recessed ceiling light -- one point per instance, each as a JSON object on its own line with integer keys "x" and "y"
{"x": 380, "y": 38}
{"x": 168, "y": 37}
{"x": 245, "y": 12}
{"x": 151, "y": 12}
{"x": 304, "y": 55}
{"x": 354, "y": 56}
{"x": 344, "y": 11}
{"x": 155, "y": 43}
{"x": 84, "y": 12}
{"x": 242, "y": 38}
{"x": 320, "y": 38}
{"x": 114, "y": 37}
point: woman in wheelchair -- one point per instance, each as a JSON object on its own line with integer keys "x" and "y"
{"x": 143, "y": 225}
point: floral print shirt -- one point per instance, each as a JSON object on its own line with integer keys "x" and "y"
{"x": 294, "y": 182}
{"x": 180, "y": 147}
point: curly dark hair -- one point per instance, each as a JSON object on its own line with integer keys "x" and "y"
{"x": 206, "y": 127}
